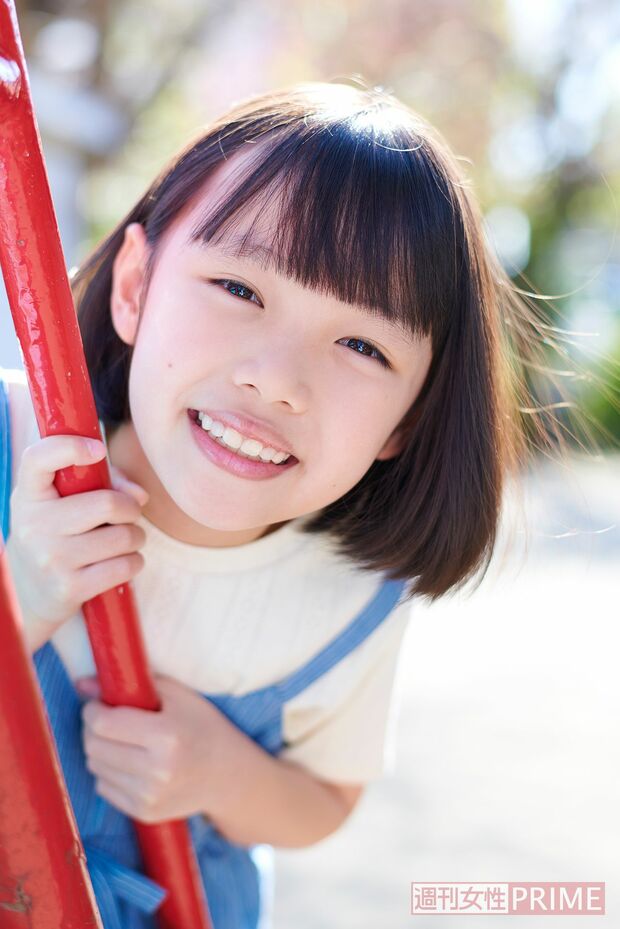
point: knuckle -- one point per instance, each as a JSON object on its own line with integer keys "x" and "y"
{"x": 30, "y": 454}
{"x": 22, "y": 529}
{"x": 47, "y": 559}
{"x": 163, "y": 774}
{"x": 65, "y": 587}
{"x": 146, "y": 808}
{"x": 96, "y": 724}
{"x": 169, "y": 743}
{"x": 167, "y": 753}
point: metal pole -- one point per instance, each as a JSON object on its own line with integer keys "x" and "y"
{"x": 44, "y": 881}
{"x": 46, "y": 325}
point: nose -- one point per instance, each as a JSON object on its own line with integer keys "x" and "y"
{"x": 276, "y": 376}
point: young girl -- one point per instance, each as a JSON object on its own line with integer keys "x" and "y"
{"x": 298, "y": 345}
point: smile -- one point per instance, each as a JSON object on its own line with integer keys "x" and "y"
{"x": 229, "y": 459}
{"x": 242, "y": 445}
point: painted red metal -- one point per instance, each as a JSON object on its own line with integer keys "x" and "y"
{"x": 46, "y": 326}
{"x": 43, "y": 885}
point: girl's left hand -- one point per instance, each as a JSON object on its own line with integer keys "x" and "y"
{"x": 157, "y": 766}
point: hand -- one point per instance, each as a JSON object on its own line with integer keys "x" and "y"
{"x": 158, "y": 766}
{"x": 65, "y": 550}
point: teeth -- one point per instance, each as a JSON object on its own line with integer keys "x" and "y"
{"x": 247, "y": 448}
{"x": 250, "y": 447}
{"x": 232, "y": 438}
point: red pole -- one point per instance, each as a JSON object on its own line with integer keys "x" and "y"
{"x": 43, "y": 884}
{"x": 46, "y": 325}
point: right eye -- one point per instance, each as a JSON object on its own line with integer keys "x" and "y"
{"x": 238, "y": 290}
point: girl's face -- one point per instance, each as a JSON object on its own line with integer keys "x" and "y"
{"x": 226, "y": 336}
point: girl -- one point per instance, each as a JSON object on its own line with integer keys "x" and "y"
{"x": 298, "y": 345}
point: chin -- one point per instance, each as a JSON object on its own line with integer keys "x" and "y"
{"x": 213, "y": 517}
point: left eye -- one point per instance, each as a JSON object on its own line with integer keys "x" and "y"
{"x": 237, "y": 289}
{"x": 373, "y": 349}
{"x": 240, "y": 290}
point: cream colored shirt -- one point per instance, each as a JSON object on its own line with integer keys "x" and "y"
{"x": 232, "y": 620}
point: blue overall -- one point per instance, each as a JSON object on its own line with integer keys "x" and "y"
{"x": 238, "y": 879}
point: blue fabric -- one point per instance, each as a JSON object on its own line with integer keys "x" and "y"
{"x": 238, "y": 880}
{"x": 5, "y": 457}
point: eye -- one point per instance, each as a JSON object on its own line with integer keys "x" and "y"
{"x": 238, "y": 290}
{"x": 373, "y": 348}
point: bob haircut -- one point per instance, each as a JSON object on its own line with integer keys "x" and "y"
{"x": 376, "y": 189}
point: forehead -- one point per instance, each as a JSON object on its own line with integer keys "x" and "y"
{"x": 217, "y": 190}
{"x": 252, "y": 236}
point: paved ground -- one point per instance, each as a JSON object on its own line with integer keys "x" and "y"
{"x": 507, "y": 753}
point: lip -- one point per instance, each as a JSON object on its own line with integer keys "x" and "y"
{"x": 250, "y": 428}
{"x": 229, "y": 461}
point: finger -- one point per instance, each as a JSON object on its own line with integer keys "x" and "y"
{"x": 121, "y": 482}
{"x": 41, "y": 460}
{"x": 109, "y": 758}
{"x": 117, "y": 797}
{"x": 136, "y": 807}
{"x": 169, "y": 687}
{"x": 97, "y": 578}
{"x": 120, "y": 723}
{"x": 79, "y": 513}
{"x": 102, "y": 543}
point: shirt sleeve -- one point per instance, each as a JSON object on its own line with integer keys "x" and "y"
{"x": 350, "y": 740}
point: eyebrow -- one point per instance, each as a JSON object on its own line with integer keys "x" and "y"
{"x": 238, "y": 247}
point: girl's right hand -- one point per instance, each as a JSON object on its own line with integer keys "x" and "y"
{"x": 65, "y": 550}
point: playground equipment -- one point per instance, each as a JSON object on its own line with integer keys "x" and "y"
{"x": 37, "y": 835}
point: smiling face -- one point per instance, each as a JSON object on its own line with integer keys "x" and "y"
{"x": 226, "y": 335}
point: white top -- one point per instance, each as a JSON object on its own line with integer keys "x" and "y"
{"x": 232, "y": 620}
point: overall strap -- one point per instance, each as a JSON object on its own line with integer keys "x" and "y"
{"x": 353, "y": 635}
{"x": 5, "y": 456}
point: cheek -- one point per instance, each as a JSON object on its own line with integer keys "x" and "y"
{"x": 353, "y": 444}
{"x": 199, "y": 333}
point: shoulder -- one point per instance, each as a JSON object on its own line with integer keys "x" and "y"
{"x": 332, "y": 582}
{"x": 339, "y": 592}
{"x": 339, "y": 726}
{"x": 365, "y": 617}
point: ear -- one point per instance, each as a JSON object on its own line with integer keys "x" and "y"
{"x": 128, "y": 273}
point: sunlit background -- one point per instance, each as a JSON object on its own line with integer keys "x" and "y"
{"x": 505, "y": 754}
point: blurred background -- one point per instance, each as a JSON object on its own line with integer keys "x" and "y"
{"x": 504, "y": 750}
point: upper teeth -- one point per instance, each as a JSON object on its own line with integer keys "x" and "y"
{"x": 248, "y": 448}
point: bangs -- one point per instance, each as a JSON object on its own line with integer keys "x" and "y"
{"x": 358, "y": 210}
